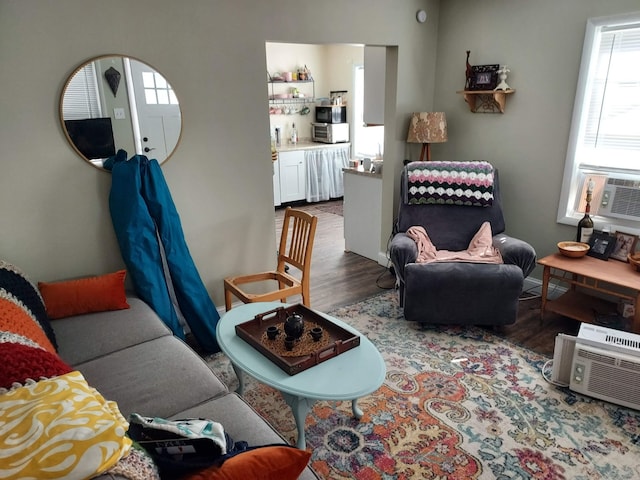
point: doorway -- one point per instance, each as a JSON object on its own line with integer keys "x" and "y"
{"x": 332, "y": 67}
{"x": 156, "y": 108}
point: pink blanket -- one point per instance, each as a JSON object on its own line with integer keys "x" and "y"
{"x": 480, "y": 250}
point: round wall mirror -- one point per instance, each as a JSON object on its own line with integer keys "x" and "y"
{"x": 112, "y": 103}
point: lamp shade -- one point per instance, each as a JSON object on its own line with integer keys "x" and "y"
{"x": 427, "y": 127}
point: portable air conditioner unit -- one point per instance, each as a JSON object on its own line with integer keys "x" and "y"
{"x": 600, "y": 362}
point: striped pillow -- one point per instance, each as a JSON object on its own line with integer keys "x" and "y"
{"x": 16, "y": 287}
{"x": 27, "y": 342}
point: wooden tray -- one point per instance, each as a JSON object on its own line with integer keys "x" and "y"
{"x": 307, "y": 353}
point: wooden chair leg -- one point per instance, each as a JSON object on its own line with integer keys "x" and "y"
{"x": 228, "y": 299}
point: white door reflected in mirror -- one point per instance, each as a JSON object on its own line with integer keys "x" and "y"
{"x": 142, "y": 118}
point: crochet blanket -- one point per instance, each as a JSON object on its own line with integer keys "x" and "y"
{"x": 449, "y": 183}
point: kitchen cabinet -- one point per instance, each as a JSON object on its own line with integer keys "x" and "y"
{"x": 292, "y": 176}
{"x": 324, "y": 172}
{"x": 362, "y": 212}
{"x": 374, "y": 85}
{"x": 276, "y": 183}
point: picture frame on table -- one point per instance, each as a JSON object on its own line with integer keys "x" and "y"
{"x": 625, "y": 245}
{"x": 484, "y": 77}
{"x": 601, "y": 245}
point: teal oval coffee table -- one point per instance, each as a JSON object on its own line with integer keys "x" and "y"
{"x": 348, "y": 376}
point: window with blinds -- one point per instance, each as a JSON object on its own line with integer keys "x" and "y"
{"x": 81, "y": 98}
{"x": 605, "y": 129}
{"x": 612, "y": 101}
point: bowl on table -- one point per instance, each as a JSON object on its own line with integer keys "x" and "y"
{"x": 573, "y": 249}
{"x": 634, "y": 260}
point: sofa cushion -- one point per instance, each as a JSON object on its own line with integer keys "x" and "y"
{"x": 241, "y": 422}
{"x": 157, "y": 378}
{"x": 84, "y": 295}
{"x": 86, "y": 337}
{"x": 16, "y": 287}
{"x": 245, "y": 424}
{"x": 52, "y": 445}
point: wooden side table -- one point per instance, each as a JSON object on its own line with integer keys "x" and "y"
{"x": 613, "y": 278}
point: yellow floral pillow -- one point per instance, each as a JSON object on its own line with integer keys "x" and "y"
{"x": 59, "y": 428}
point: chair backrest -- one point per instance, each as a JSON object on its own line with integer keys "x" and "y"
{"x": 296, "y": 240}
{"x": 450, "y": 227}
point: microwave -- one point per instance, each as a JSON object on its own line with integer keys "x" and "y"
{"x": 330, "y": 132}
{"x": 331, "y": 114}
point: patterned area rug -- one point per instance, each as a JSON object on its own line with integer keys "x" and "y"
{"x": 457, "y": 403}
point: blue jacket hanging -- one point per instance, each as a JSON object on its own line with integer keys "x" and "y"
{"x": 147, "y": 224}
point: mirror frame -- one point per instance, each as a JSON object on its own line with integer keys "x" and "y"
{"x": 64, "y": 89}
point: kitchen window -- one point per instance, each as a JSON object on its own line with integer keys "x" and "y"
{"x": 367, "y": 141}
{"x": 605, "y": 130}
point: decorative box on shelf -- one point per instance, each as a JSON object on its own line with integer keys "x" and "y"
{"x": 486, "y": 101}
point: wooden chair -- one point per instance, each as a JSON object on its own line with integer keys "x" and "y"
{"x": 296, "y": 245}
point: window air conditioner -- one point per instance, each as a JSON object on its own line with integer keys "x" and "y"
{"x": 620, "y": 199}
{"x": 600, "y": 362}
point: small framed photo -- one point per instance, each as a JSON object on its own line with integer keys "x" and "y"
{"x": 602, "y": 244}
{"x": 625, "y": 245}
{"x": 484, "y": 77}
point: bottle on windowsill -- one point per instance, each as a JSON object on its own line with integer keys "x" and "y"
{"x": 585, "y": 225}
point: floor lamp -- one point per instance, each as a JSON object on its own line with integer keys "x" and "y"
{"x": 427, "y": 128}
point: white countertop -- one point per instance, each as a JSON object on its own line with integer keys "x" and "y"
{"x": 308, "y": 145}
{"x": 360, "y": 171}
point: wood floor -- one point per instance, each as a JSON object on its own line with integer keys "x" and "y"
{"x": 339, "y": 278}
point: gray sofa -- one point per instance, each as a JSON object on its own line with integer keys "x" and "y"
{"x": 455, "y": 292}
{"x": 131, "y": 357}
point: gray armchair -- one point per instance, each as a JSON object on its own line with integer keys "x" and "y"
{"x": 457, "y": 292}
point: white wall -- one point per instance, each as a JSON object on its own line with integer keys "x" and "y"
{"x": 541, "y": 42}
{"x": 54, "y": 216}
{"x": 283, "y": 57}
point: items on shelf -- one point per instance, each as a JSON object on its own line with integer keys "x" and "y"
{"x": 290, "y": 92}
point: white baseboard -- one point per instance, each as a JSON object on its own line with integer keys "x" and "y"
{"x": 383, "y": 259}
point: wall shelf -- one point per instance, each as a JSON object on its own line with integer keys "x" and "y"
{"x": 291, "y": 101}
{"x": 309, "y": 96}
{"x": 486, "y": 101}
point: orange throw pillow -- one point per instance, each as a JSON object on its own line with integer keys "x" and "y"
{"x": 84, "y": 295}
{"x": 264, "y": 463}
